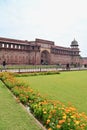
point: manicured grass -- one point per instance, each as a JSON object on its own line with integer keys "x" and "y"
{"x": 12, "y": 115}
{"x": 67, "y": 87}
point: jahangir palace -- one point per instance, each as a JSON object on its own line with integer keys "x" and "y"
{"x": 38, "y": 52}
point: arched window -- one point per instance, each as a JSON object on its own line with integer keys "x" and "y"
{"x": 45, "y": 57}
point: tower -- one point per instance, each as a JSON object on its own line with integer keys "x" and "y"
{"x": 74, "y": 44}
{"x": 75, "y": 57}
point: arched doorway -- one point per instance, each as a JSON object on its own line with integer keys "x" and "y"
{"x": 45, "y": 57}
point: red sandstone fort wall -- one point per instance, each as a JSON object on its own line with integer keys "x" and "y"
{"x": 14, "y": 57}
{"x": 24, "y": 52}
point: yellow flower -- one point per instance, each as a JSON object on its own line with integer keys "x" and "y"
{"x": 49, "y": 116}
{"x": 72, "y": 117}
{"x": 77, "y": 122}
{"x": 64, "y": 117}
{"x": 44, "y": 112}
{"x": 48, "y": 121}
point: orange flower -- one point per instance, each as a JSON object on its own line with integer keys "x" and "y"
{"x": 58, "y": 126}
{"x": 27, "y": 96}
{"x": 61, "y": 121}
{"x": 53, "y": 111}
{"x": 50, "y": 129}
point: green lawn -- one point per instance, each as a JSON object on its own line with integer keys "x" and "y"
{"x": 67, "y": 87}
{"x": 12, "y": 115}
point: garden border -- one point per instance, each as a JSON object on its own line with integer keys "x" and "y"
{"x": 25, "y": 108}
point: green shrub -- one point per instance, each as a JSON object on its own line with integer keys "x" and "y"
{"x": 37, "y": 73}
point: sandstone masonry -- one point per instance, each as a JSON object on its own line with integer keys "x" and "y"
{"x": 38, "y": 52}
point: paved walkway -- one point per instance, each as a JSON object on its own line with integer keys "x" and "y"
{"x": 41, "y": 69}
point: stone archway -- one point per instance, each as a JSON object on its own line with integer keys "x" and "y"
{"x": 45, "y": 57}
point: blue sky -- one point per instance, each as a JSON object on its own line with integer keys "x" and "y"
{"x": 58, "y": 20}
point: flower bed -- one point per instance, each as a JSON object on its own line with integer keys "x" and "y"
{"x": 52, "y": 114}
